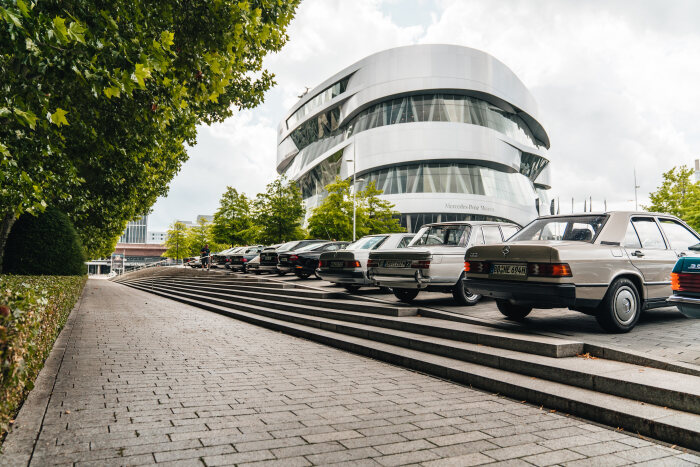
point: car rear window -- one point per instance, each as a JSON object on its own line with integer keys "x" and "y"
{"x": 574, "y": 228}
{"x": 446, "y": 235}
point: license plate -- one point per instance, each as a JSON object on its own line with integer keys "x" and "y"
{"x": 337, "y": 264}
{"x": 509, "y": 270}
{"x": 395, "y": 263}
{"x": 268, "y": 258}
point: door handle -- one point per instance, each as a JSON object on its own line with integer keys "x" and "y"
{"x": 637, "y": 253}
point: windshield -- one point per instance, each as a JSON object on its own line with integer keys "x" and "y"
{"x": 446, "y": 235}
{"x": 309, "y": 247}
{"x": 367, "y": 243}
{"x": 575, "y": 229}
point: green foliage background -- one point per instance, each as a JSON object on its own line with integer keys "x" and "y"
{"x": 45, "y": 244}
{"x": 100, "y": 98}
{"x": 678, "y": 195}
{"x": 33, "y": 310}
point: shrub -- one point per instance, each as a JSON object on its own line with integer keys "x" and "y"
{"x": 44, "y": 244}
{"x": 33, "y": 310}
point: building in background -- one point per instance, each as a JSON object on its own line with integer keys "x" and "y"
{"x": 447, "y": 132}
{"x": 206, "y": 217}
{"x": 136, "y": 231}
{"x": 157, "y": 237}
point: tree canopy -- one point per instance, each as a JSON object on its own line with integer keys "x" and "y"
{"x": 99, "y": 99}
{"x": 678, "y": 195}
{"x": 279, "y": 212}
{"x": 332, "y": 219}
{"x": 233, "y": 220}
{"x": 177, "y": 242}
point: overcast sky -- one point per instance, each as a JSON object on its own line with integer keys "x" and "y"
{"x": 617, "y": 83}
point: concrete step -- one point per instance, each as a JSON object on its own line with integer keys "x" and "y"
{"x": 658, "y": 422}
{"x": 280, "y": 300}
{"x": 648, "y": 385}
{"x": 250, "y": 289}
{"x": 546, "y": 346}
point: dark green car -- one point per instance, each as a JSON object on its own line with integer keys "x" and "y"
{"x": 685, "y": 283}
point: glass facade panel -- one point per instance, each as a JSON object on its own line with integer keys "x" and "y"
{"x": 314, "y": 182}
{"x": 135, "y": 231}
{"x": 451, "y": 178}
{"x": 319, "y": 134}
{"x": 413, "y": 222}
{"x": 318, "y": 100}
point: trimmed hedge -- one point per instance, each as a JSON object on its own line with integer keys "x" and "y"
{"x": 33, "y": 309}
{"x": 44, "y": 244}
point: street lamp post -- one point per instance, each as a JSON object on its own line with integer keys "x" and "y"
{"x": 354, "y": 192}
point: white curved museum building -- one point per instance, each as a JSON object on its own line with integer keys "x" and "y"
{"x": 447, "y": 132}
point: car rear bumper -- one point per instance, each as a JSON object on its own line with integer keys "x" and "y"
{"x": 685, "y": 300}
{"x": 268, "y": 267}
{"x": 539, "y": 295}
{"x": 416, "y": 281}
{"x": 345, "y": 277}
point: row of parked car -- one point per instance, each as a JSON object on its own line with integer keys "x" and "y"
{"x": 611, "y": 265}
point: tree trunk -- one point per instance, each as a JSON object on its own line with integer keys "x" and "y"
{"x": 8, "y": 219}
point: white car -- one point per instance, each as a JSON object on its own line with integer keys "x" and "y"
{"x": 434, "y": 260}
{"x": 348, "y": 267}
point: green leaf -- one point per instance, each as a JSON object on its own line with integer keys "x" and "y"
{"x": 27, "y": 116}
{"x": 141, "y": 73}
{"x": 59, "y": 28}
{"x": 59, "y": 117}
{"x": 76, "y": 31}
{"x": 10, "y": 17}
{"x": 167, "y": 39}
{"x": 23, "y": 8}
{"x": 112, "y": 91}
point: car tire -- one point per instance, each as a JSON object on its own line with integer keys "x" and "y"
{"x": 352, "y": 288}
{"x": 621, "y": 307}
{"x": 406, "y": 295}
{"x": 280, "y": 273}
{"x": 462, "y": 296}
{"x": 317, "y": 276}
{"x": 384, "y": 289}
{"x": 512, "y": 311}
{"x": 302, "y": 275}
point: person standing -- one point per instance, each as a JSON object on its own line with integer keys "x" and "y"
{"x": 204, "y": 253}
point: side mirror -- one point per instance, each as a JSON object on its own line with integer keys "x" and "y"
{"x": 694, "y": 247}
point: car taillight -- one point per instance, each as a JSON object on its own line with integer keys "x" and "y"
{"x": 420, "y": 264}
{"x": 549, "y": 269}
{"x": 685, "y": 282}
{"x": 322, "y": 263}
{"x": 293, "y": 258}
{"x": 477, "y": 267}
{"x": 353, "y": 264}
{"x": 245, "y": 260}
{"x": 372, "y": 263}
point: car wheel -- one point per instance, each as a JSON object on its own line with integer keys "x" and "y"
{"x": 620, "y": 309}
{"x": 280, "y": 273}
{"x": 303, "y": 275}
{"x": 462, "y": 295}
{"x": 384, "y": 289}
{"x": 406, "y": 295}
{"x": 352, "y": 288}
{"x": 257, "y": 273}
{"x": 511, "y": 311}
{"x": 317, "y": 276}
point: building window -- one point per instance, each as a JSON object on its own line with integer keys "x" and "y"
{"x": 318, "y": 100}
{"x": 414, "y": 221}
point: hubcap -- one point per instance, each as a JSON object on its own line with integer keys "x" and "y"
{"x": 625, "y": 305}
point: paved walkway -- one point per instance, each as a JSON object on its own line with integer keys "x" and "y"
{"x": 141, "y": 379}
{"x": 663, "y": 332}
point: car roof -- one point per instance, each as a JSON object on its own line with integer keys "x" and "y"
{"x": 610, "y": 213}
{"x": 468, "y": 223}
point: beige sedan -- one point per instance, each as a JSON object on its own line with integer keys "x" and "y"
{"x": 611, "y": 265}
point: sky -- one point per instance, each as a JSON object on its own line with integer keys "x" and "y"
{"x": 617, "y": 84}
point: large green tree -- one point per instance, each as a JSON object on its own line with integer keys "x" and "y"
{"x": 379, "y": 213}
{"x": 177, "y": 242}
{"x": 279, "y": 212}
{"x": 332, "y": 219}
{"x": 233, "y": 220}
{"x": 679, "y": 195}
{"x": 99, "y": 99}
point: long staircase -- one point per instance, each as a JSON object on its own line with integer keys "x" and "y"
{"x": 543, "y": 370}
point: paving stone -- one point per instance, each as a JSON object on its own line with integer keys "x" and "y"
{"x": 553, "y": 457}
{"x": 174, "y": 384}
{"x": 460, "y": 461}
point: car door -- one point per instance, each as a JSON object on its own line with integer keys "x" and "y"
{"x": 679, "y": 236}
{"x": 651, "y": 255}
